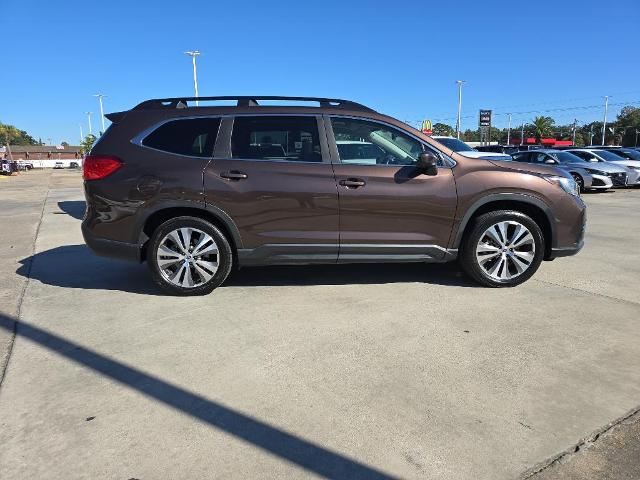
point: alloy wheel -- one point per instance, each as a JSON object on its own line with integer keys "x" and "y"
{"x": 505, "y": 250}
{"x": 187, "y": 257}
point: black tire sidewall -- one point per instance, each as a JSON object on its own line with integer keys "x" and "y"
{"x": 225, "y": 256}
{"x": 468, "y": 258}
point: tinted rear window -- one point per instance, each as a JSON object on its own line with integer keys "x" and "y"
{"x": 194, "y": 137}
{"x": 276, "y": 138}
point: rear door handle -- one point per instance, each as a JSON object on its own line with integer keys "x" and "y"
{"x": 234, "y": 175}
{"x": 353, "y": 183}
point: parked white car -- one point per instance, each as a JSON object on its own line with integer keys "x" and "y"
{"x": 595, "y": 155}
{"x": 462, "y": 148}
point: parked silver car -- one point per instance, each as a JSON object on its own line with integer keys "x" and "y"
{"x": 587, "y": 175}
{"x": 595, "y": 155}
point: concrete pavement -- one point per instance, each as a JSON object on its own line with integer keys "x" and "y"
{"x": 292, "y": 372}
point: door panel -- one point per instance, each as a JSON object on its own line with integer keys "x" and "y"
{"x": 285, "y": 210}
{"x": 389, "y": 211}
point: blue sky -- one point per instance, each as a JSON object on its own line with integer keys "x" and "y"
{"x": 400, "y": 57}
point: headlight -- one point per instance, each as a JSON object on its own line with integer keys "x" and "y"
{"x": 594, "y": 172}
{"x": 569, "y": 185}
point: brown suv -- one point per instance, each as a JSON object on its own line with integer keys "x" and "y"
{"x": 195, "y": 190}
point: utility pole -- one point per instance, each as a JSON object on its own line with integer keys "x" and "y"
{"x": 100, "y": 96}
{"x": 193, "y": 54}
{"x": 89, "y": 117}
{"x": 604, "y": 125}
{"x": 637, "y": 131}
{"x": 509, "y": 130}
{"x": 460, "y": 83}
{"x": 81, "y": 133}
{"x": 591, "y": 135}
{"x": 8, "y": 138}
{"x": 575, "y": 125}
{"x": 522, "y": 135}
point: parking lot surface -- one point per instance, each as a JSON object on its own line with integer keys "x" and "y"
{"x": 351, "y": 371}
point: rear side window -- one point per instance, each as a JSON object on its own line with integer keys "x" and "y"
{"x": 194, "y": 137}
{"x": 276, "y": 138}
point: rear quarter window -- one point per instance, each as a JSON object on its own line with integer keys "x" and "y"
{"x": 194, "y": 137}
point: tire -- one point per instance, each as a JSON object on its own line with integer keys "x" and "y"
{"x": 490, "y": 261}
{"x": 579, "y": 180}
{"x": 180, "y": 273}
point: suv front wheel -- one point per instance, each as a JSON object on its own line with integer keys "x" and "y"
{"x": 503, "y": 249}
{"x": 189, "y": 256}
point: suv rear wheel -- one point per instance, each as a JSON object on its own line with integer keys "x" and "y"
{"x": 503, "y": 249}
{"x": 189, "y": 256}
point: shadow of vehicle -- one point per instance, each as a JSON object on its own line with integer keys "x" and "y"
{"x": 75, "y": 266}
{"x": 349, "y": 274}
{"x": 302, "y": 452}
{"x": 73, "y": 208}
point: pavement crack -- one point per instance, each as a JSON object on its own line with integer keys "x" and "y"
{"x": 603, "y": 295}
{"x": 23, "y": 290}
{"x": 580, "y": 446}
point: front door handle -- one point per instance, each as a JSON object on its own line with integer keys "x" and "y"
{"x": 353, "y": 183}
{"x": 234, "y": 175}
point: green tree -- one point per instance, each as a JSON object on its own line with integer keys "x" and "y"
{"x": 543, "y": 127}
{"x": 87, "y": 144}
{"x": 443, "y": 129}
{"x": 14, "y": 136}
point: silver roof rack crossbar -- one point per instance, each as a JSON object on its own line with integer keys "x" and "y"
{"x": 249, "y": 101}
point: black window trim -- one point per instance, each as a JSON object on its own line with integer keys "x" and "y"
{"x": 141, "y": 137}
{"x": 449, "y": 162}
{"x": 222, "y": 149}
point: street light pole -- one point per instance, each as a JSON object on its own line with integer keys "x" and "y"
{"x": 522, "y": 135}
{"x": 89, "y": 117}
{"x": 637, "y": 131}
{"x": 575, "y": 125}
{"x": 591, "y": 135}
{"x": 100, "y": 96}
{"x": 459, "y": 82}
{"x": 193, "y": 54}
{"x": 509, "y": 131}
{"x": 604, "y": 124}
{"x": 81, "y": 134}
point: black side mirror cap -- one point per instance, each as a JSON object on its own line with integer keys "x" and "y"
{"x": 428, "y": 163}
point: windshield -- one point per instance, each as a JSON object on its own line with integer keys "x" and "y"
{"x": 608, "y": 156}
{"x": 455, "y": 144}
{"x": 632, "y": 154}
{"x": 566, "y": 157}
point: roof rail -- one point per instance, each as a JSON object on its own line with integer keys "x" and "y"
{"x": 248, "y": 101}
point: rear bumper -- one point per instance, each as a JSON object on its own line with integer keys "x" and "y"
{"x": 111, "y": 248}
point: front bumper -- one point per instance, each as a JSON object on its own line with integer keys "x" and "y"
{"x": 570, "y": 228}
{"x": 600, "y": 182}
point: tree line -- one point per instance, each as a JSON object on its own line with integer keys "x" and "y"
{"x": 621, "y": 131}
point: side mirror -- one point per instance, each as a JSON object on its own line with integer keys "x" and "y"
{"x": 428, "y": 163}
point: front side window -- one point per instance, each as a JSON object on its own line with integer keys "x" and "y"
{"x": 288, "y": 138}
{"x": 193, "y": 136}
{"x": 370, "y": 143}
{"x": 522, "y": 157}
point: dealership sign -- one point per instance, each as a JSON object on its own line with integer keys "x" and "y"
{"x": 485, "y": 118}
{"x": 427, "y": 127}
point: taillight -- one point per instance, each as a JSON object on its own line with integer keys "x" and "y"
{"x": 96, "y": 167}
